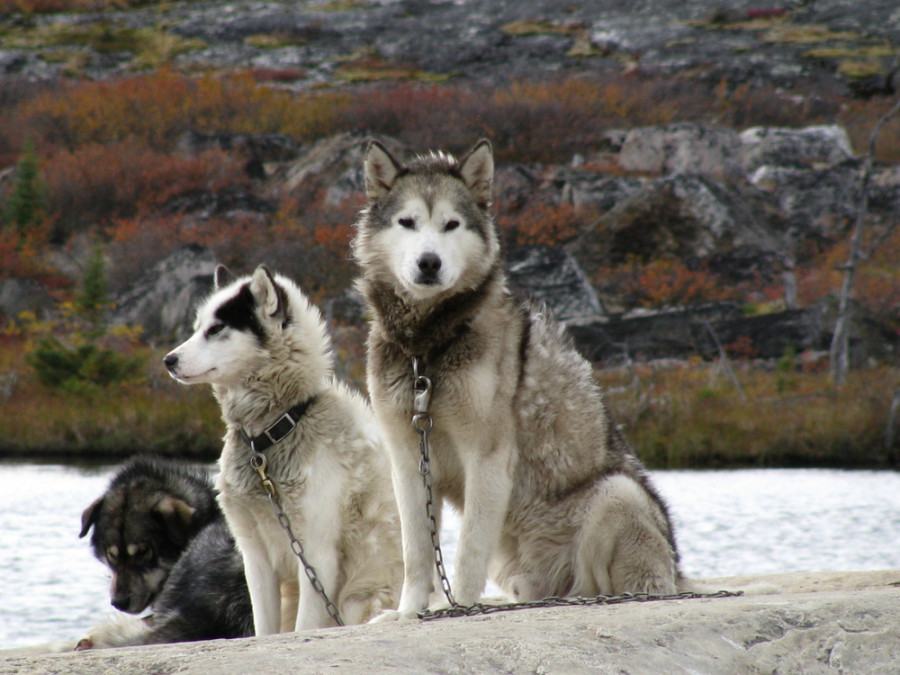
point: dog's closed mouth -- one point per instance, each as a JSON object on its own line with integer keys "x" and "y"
{"x": 187, "y": 378}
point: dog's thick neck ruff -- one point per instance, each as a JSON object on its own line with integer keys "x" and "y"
{"x": 282, "y": 428}
{"x": 426, "y": 330}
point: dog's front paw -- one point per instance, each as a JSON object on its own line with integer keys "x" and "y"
{"x": 393, "y": 615}
{"x": 84, "y": 644}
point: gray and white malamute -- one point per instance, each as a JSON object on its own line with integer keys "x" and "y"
{"x": 265, "y": 350}
{"x": 159, "y": 530}
{"x": 553, "y": 501}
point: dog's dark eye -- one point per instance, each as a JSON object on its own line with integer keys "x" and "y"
{"x": 451, "y": 225}
{"x": 215, "y": 329}
{"x": 112, "y": 554}
{"x": 408, "y": 223}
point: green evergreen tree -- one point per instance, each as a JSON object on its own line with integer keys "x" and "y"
{"x": 25, "y": 204}
{"x": 86, "y": 365}
{"x": 92, "y": 298}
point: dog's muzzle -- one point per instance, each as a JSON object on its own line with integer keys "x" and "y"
{"x": 429, "y": 265}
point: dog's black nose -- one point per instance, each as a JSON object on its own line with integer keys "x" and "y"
{"x": 429, "y": 266}
{"x": 121, "y": 602}
{"x": 170, "y": 361}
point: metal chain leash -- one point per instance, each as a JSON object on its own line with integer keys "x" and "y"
{"x": 259, "y": 462}
{"x": 423, "y": 423}
{"x": 553, "y": 601}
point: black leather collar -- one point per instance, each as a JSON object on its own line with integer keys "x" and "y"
{"x": 280, "y": 430}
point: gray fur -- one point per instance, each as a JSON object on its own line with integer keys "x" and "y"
{"x": 554, "y": 502}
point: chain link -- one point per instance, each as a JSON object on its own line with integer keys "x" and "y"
{"x": 258, "y": 462}
{"x": 423, "y": 423}
{"x": 484, "y": 608}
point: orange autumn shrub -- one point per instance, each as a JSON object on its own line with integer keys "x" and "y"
{"x": 96, "y": 183}
{"x": 20, "y": 251}
{"x": 664, "y": 282}
{"x": 54, "y": 6}
{"x": 159, "y": 107}
{"x": 139, "y": 243}
{"x": 539, "y": 222}
{"x": 877, "y": 285}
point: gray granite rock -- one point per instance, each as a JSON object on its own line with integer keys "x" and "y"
{"x": 832, "y": 622}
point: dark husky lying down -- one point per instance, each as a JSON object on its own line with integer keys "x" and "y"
{"x": 160, "y": 531}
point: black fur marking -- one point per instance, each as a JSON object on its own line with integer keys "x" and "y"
{"x": 524, "y": 342}
{"x": 239, "y": 313}
{"x": 203, "y": 594}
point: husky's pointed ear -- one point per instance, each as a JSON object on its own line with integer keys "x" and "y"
{"x": 381, "y": 171}
{"x": 265, "y": 290}
{"x": 89, "y": 517}
{"x": 477, "y": 171}
{"x": 223, "y": 277}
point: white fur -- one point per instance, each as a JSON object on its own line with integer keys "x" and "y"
{"x": 331, "y": 472}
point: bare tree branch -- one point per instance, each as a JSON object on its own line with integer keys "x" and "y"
{"x": 725, "y": 363}
{"x": 839, "y": 354}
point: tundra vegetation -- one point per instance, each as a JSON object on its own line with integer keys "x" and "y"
{"x": 91, "y": 170}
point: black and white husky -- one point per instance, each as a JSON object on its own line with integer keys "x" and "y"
{"x": 553, "y": 501}
{"x": 264, "y": 349}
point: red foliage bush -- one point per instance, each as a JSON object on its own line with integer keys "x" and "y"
{"x": 538, "y": 222}
{"x": 53, "y": 6}
{"x": 312, "y": 247}
{"x": 664, "y": 282}
{"x": 741, "y": 348}
{"x": 96, "y": 184}
{"x": 158, "y": 108}
{"x": 20, "y": 251}
{"x": 877, "y": 286}
{"x": 138, "y": 244}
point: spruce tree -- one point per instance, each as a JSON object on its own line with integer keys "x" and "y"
{"x": 24, "y": 206}
{"x": 92, "y": 300}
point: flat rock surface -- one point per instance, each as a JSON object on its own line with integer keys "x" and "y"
{"x": 841, "y": 622}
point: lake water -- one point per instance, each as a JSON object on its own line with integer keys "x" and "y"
{"x": 728, "y": 523}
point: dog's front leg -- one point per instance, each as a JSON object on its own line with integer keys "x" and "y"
{"x": 264, "y": 587}
{"x": 487, "y": 491}
{"x": 321, "y": 535}
{"x": 312, "y": 611}
{"x": 418, "y": 555}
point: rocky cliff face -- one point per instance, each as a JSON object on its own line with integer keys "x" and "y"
{"x": 744, "y": 203}
{"x": 787, "y": 190}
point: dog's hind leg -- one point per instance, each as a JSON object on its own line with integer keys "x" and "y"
{"x": 624, "y": 546}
